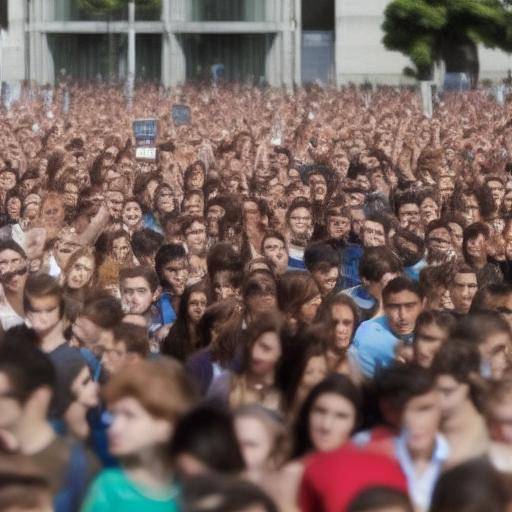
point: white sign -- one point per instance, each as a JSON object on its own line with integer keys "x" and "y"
{"x": 145, "y": 153}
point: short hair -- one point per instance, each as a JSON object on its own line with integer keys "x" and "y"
{"x": 437, "y": 224}
{"x": 187, "y": 221}
{"x": 407, "y": 197}
{"x": 378, "y": 261}
{"x": 298, "y": 202}
{"x": 401, "y": 382}
{"x": 134, "y": 337}
{"x": 486, "y": 293}
{"x": 160, "y": 386}
{"x": 477, "y": 327}
{"x": 321, "y": 256}
{"x": 461, "y": 268}
{"x": 442, "y": 319}
{"x": 167, "y": 253}
{"x": 273, "y": 234}
{"x": 11, "y": 245}
{"x": 383, "y": 219}
{"x": 42, "y": 285}
{"x": 459, "y": 359}
{"x": 146, "y": 273}
{"x": 103, "y": 310}
{"x": 146, "y": 242}
{"x": 377, "y": 498}
{"x": 26, "y": 368}
{"x": 401, "y": 284}
{"x": 432, "y": 278}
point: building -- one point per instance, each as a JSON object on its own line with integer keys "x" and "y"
{"x": 281, "y": 42}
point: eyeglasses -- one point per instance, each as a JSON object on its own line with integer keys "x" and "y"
{"x": 196, "y": 232}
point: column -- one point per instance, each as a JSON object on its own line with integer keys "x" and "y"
{"x": 13, "y": 43}
{"x": 338, "y": 27}
{"x": 41, "y": 60}
{"x": 173, "y": 57}
{"x": 297, "y": 20}
{"x": 288, "y": 53}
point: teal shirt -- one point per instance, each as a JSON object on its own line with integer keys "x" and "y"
{"x": 113, "y": 491}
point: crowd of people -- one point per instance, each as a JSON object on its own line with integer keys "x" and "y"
{"x": 304, "y": 303}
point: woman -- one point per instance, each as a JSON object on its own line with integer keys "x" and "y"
{"x": 78, "y": 280}
{"x": 184, "y": 337}
{"x": 163, "y": 203}
{"x": 256, "y": 380}
{"x": 132, "y": 215}
{"x": 146, "y": 400}
{"x": 12, "y": 207}
{"x": 194, "y": 176}
{"x": 298, "y": 298}
{"x": 341, "y": 315}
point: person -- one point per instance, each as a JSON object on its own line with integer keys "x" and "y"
{"x": 378, "y": 499}
{"x": 462, "y": 286}
{"x": 375, "y": 340}
{"x": 274, "y": 248}
{"x": 322, "y": 262}
{"x": 299, "y": 221}
{"x": 13, "y": 275}
{"x": 435, "y": 282}
{"x": 146, "y": 400}
{"x": 27, "y": 381}
{"x": 494, "y": 297}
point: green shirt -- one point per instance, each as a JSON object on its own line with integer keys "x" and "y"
{"x": 113, "y": 491}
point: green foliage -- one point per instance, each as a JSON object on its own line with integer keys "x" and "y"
{"x": 105, "y": 6}
{"x": 425, "y": 30}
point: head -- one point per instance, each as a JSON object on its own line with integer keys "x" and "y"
{"x": 163, "y": 201}
{"x": 66, "y": 243}
{"x": 193, "y": 203}
{"x": 172, "y": 266}
{"x": 498, "y": 410}
{"x": 132, "y": 213}
{"x": 120, "y": 247}
{"x": 463, "y": 286}
{"x": 259, "y": 293}
{"x": 323, "y": 262}
{"x": 139, "y": 288}
{"x": 434, "y": 283}
{"x": 381, "y": 499}
{"x": 407, "y": 209}
{"x": 474, "y": 244}
{"x": 79, "y": 271}
{"x": 13, "y": 267}
{"x": 375, "y": 230}
{"x": 299, "y": 220}
{"x": 145, "y": 244}
{"x": 377, "y": 267}
{"x": 274, "y": 248}
{"x": 438, "y": 240}
{"x": 193, "y": 231}
{"x": 337, "y": 223}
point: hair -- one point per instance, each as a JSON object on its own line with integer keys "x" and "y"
{"x": 298, "y": 202}
{"x": 486, "y": 293}
{"x": 160, "y": 386}
{"x": 442, "y": 319}
{"x": 433, "y": 278}
{"x": 473, "y": 486}
{"x": 207, "y": 433}
{"x": 178, "y": 342}
{"x": 321, "y": 256}
{"x": 146, "y": 242}
{"x": 472, "y": 231}
{"x": 477, "y": 327}
{"x": 159, "y": 189}
{"x": 147, "y": 273}
{"x": 135, "y": 338}
{"x": 437, "y": 224}
{"x": 273, "y": 234}
{"x": 42, "y": 285}
{"x": 223, "y": 257}
{"x": 461, "y": 268}
{"x": 187, "y": 221}
{"x": 401, "y": 382}
{"x": 373, "y": 499}
{"x": 258, "y": 282}
{"x": 337, "y": 384}
{"x": 26, "y": 368}
{"x": 407, "y": 197}
{"x": 378, "y": 261}
{"x": 294, "y": 289}
{"x": 167, "y": 253}
{"x": 324, "y": 313}
{"x": 401, "y": 284}
{"x": 11, "y": 245}
{"x": 87, "y": 252}
{"x": 103, "y": 310}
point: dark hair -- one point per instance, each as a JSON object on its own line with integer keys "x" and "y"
{"x": 146, "y": 242}
{"x": 324, "y": 313}
{"x": 103, "y": 310}
{"x": 477, "y": 327}
{"x": 437, "y": 224}
{"x": 167, "y": 253}
{"x": 42, "y": 285}
{"x": 442, "y": 319}
{"x": 295, "y": 288}
{"x": 459, "y": 359}
{"x": 13, "y": 246}
{"x": 298, "y": 202}
{"x": 473, "y": 486}
{"x": 461, "y": 268}
{"x": 407, "y": 197}
{"x": 401, "y": 284}
{"x": 26, "y": 367}
{"x": 134, "y": 337}
{"x": 472, "y": 231}
{"x": 486, "y": 293}
{"x": 207, "y": 433}
{"x": 337, "y": 384}
{"x": 401, "y": 382}
{"x": 223, "y": 257}
{"x": 432, "y": 278}
{"x": 373, "y": 499}
{"x": 321, "y": 256}
{"x": 378, "y": 261}
{"x": 147, "y": 273}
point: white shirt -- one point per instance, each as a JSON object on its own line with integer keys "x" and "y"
{"x": 421, "y": 486}
{"x": 8, "y": 317}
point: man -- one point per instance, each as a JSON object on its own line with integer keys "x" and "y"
{"x": 145, "y": 244}
{"x": 497, "y": 188}
{"x": 67, "y": 242}
{"x": 274, "y": 248}
{"x": 439, "y": 243}
{"x": 494, "y": 297}
{"x": 323, "y": 262}
{"x": 299, "y": 220}
{"x": 462, "y": 286}
{"x": 27, "y": 382}
{"x": 225, "y": 271}
{"x": 375, "y": 231}
{"x": 13, "y": 276}
{"x": 376, "y": 340}
{"x": 407, "y": 210}
{"x": 193, "y": 232}
{"x": 434, "y": 282}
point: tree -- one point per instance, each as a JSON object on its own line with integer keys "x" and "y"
{"x": 430, "y": 31}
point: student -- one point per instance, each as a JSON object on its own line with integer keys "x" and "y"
{"x": 146, "y": 400}
{"x": 323, "y": 262}
{"x": 27, "y": 382}
{"x": 375, "y": 340}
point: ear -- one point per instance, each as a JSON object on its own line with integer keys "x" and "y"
{"x": 157, "y": 293}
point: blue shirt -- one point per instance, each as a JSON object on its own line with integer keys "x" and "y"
{"x": 374, "y": 345}
{"x": 296, "y": 258}
{"x": 362, "y": 297}
{"x": 414, "y": 271}
{"x": 349, "y": 267}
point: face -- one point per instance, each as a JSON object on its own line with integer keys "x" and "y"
{"x": 196, "y": 306}
{"x": 7, "y": 180}
{"x": 114, "y": 355}
{"x": 476, "y": 247}
{"x": 462, "y": 290}
{"x": 193, "y": 205}
{"x": 439, "y": 241}
{"x": 13, "y": 271}
{"x": 195, "y": 237}
{"x": 497, "y": 190}
{"x": 326, "y": 279}
{"x": 196, "y": 179}
{"x": 318, "y": 187}
{"x": 137, "y": 295}
{"x": 300, "y": 222}
{"x": 132, "y": 214}
{"x": 420, "y": 420}
{"x": 453, "y": 395}
{"x": 223, "y": 287}
{"x": 471, "y": 212}
{"x": 402, "y": 310}
{"x": 499, "y": 419}
{"x": 373, "y": 234}
{"x": 427, "y": 342}
{"x": 308, "y": 310}
{"x": 409, "y": 215}
{"x": 338, "y": 227}
{"x": 344, "y": 325}
{"x": 446, "y": 188}
{"x": 80, "y": 273}
{"x": 331, "y": 421}
{"x": 265, "y": 354}
{"x": 134, "y": 431}
{"x": 358, "y": 219}
{"x": 429, "y": 210}
{"x": 175, "y": 273}
{"x": 316, "y": 370}
{"x": 70, "y": 195}
{"x": 494, "y": 351}
{"x": 121, "y": 249}
{"x": 255, "y": 441}
{"x": 115, "y": 202}
{"x": 43, "y": 313}
{"x": 251, "y": 212}
{"x": 52, "y": 214}
{"x": 213, "y": 216}
{"x": 84, "y": 389}
{"x": 457, "y": 235}
{"x": 13, "y": 208}
{"x": 275, "y": 250}
{"x": 165, "y": 201}
{"x": 507, "y": 202}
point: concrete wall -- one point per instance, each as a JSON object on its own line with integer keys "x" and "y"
{"x": 12, "y": 55}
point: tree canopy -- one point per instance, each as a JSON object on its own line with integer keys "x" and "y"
{"x": 428, "y": 31}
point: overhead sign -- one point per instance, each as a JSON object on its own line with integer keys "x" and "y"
{"x": 145, "y": 133}
{"x": 181, "y": 114}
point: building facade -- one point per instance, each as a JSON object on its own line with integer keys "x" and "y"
{"x": 280, "y": 42}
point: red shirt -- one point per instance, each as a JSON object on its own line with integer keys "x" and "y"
{"x": 332, "y": 480}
